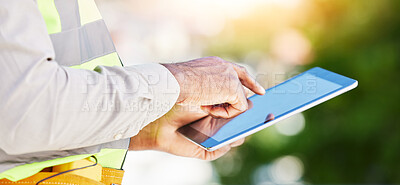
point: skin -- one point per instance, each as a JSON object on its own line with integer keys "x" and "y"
{"x": 212, "y": 81}
{"x": 162, "y": 135}
{"x": 209, "y": 86}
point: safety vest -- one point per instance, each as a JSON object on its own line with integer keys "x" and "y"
{"x": 81, "y": 40}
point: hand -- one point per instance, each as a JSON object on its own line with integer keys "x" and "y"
{"x": 215, "y": 84}
{"x": 162, "y": 135}
{"x": 209, "y": 126}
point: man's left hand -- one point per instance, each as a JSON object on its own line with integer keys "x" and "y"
{"x": 162, "y": 135}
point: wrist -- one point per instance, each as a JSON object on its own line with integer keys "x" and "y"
{"x": 146, "y": 139}
{"x": 179, "y": 76}
{"x": 138, "y": 144}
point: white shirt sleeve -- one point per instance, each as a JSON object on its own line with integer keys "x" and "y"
{"x": 45, "y": 106}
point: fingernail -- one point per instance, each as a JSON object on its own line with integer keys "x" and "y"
{"x": 261, "y": 88}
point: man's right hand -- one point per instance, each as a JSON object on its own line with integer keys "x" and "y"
{"x": 214, "y": 84}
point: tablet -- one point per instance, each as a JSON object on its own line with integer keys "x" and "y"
{"x": 295, "y": 95}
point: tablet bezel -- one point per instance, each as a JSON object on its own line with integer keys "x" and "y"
{"x": 345, "y": 83}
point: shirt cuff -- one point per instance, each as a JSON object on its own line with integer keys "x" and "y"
{"x": 163, "y": 88}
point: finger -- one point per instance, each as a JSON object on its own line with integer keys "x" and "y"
{"x": 269, "y": 118}
{"x": 250, "y": 103}
{"x": 237, "y": 143}
{"x": 210, "y": 156}
{"x": 248, "y": 80}
{"x": 182, "y": 115}
{"x": 188, "y": 149}
{"x": 248, "y": 92}
{"x": 230, "y": 109}
{"x": 240, "y": 104}
{"x": 221, "y": 110}
{"x": 216, "y": 111}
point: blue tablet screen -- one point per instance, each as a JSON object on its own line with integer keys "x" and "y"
{"x": 279, "y": 100}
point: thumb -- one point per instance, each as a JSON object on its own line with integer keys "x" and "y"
{"x": 210, "y": 156}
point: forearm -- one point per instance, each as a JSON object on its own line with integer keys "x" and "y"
{"x": 146, "y": 139}
{"x": 45, "y": 106}
{"x": 61, "y": 108}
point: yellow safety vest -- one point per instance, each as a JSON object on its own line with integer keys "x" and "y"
{"x": 80, "y": 40}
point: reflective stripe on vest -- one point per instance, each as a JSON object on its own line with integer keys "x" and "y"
{"x": 78, "y": 33}
{"x": 111, "y": 158}
{"x": 50, "y": 15}
{"x": 81, "y": 40}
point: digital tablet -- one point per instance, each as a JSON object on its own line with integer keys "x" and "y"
{"x": 295, "y": 95}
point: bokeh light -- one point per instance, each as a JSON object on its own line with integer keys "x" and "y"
{"x": 350, "y": 139}
{"x": 292, "y": 125}
{"x": 284, "y": 170}
{"x": 150, "y": 167}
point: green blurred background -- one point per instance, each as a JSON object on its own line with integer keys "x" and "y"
{"x": 354, "y": 138}
{"x": 351, "y": 139}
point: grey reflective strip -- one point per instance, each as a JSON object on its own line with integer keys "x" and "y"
{"x": 69, "y": 14}
{"x": 80, "y": 45}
